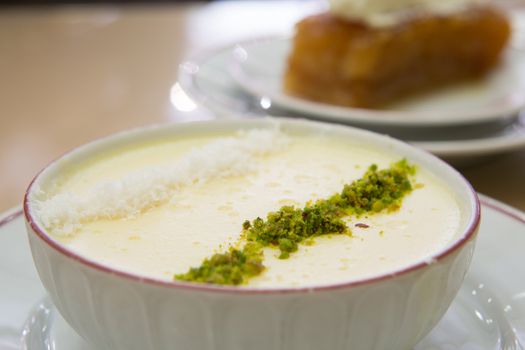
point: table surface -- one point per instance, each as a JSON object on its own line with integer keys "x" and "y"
{"x": 71, "y": 74}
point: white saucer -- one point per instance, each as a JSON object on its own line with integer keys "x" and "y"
{"x": 500, "y": 139}
{"x": 258, "y": 67}
{"x": 206, "y": 80}
{"x": 488, "y": 313}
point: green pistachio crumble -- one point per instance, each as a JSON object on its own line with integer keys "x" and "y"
{"x": 232, "y": 267}
{"x": 377, "y": 191}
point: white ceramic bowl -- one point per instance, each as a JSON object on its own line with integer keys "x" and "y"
{"x": 118, "y": 310}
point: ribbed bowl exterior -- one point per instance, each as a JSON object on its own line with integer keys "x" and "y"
{"x": 115, "y": 312}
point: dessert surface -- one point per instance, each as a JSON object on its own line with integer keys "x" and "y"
{"x": 289, "y": 227}
{"x": 206, "y": 215}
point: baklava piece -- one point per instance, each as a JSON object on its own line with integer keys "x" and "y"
{"x": 346, "y": 62}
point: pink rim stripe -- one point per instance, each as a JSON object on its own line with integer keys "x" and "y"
{"x": 10, "y": 217}
{"x": 496, "y": 206}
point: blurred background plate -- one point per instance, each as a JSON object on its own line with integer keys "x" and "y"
{"x": 258, "y": 67}
{"x": 206, "y": 79}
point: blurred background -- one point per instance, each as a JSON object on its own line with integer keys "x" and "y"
{"x": 73, "y": 71}
{"x": 88, "y": 2}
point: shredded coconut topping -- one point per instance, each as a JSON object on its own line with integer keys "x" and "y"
{"x": 146, "y": 188}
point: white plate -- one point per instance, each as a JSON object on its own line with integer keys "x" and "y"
{"x": 508, "y": 137}
{"x": 206, "y": 80}
{"x": 488, "y": 313}
{"x": 258, "y": 67}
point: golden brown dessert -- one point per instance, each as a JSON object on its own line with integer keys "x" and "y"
{"x": 339, "y": 61}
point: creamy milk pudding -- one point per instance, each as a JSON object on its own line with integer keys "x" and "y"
{"x": 158, "y": 209}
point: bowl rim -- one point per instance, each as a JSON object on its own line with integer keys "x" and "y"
{"x": 468, "y": 233}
